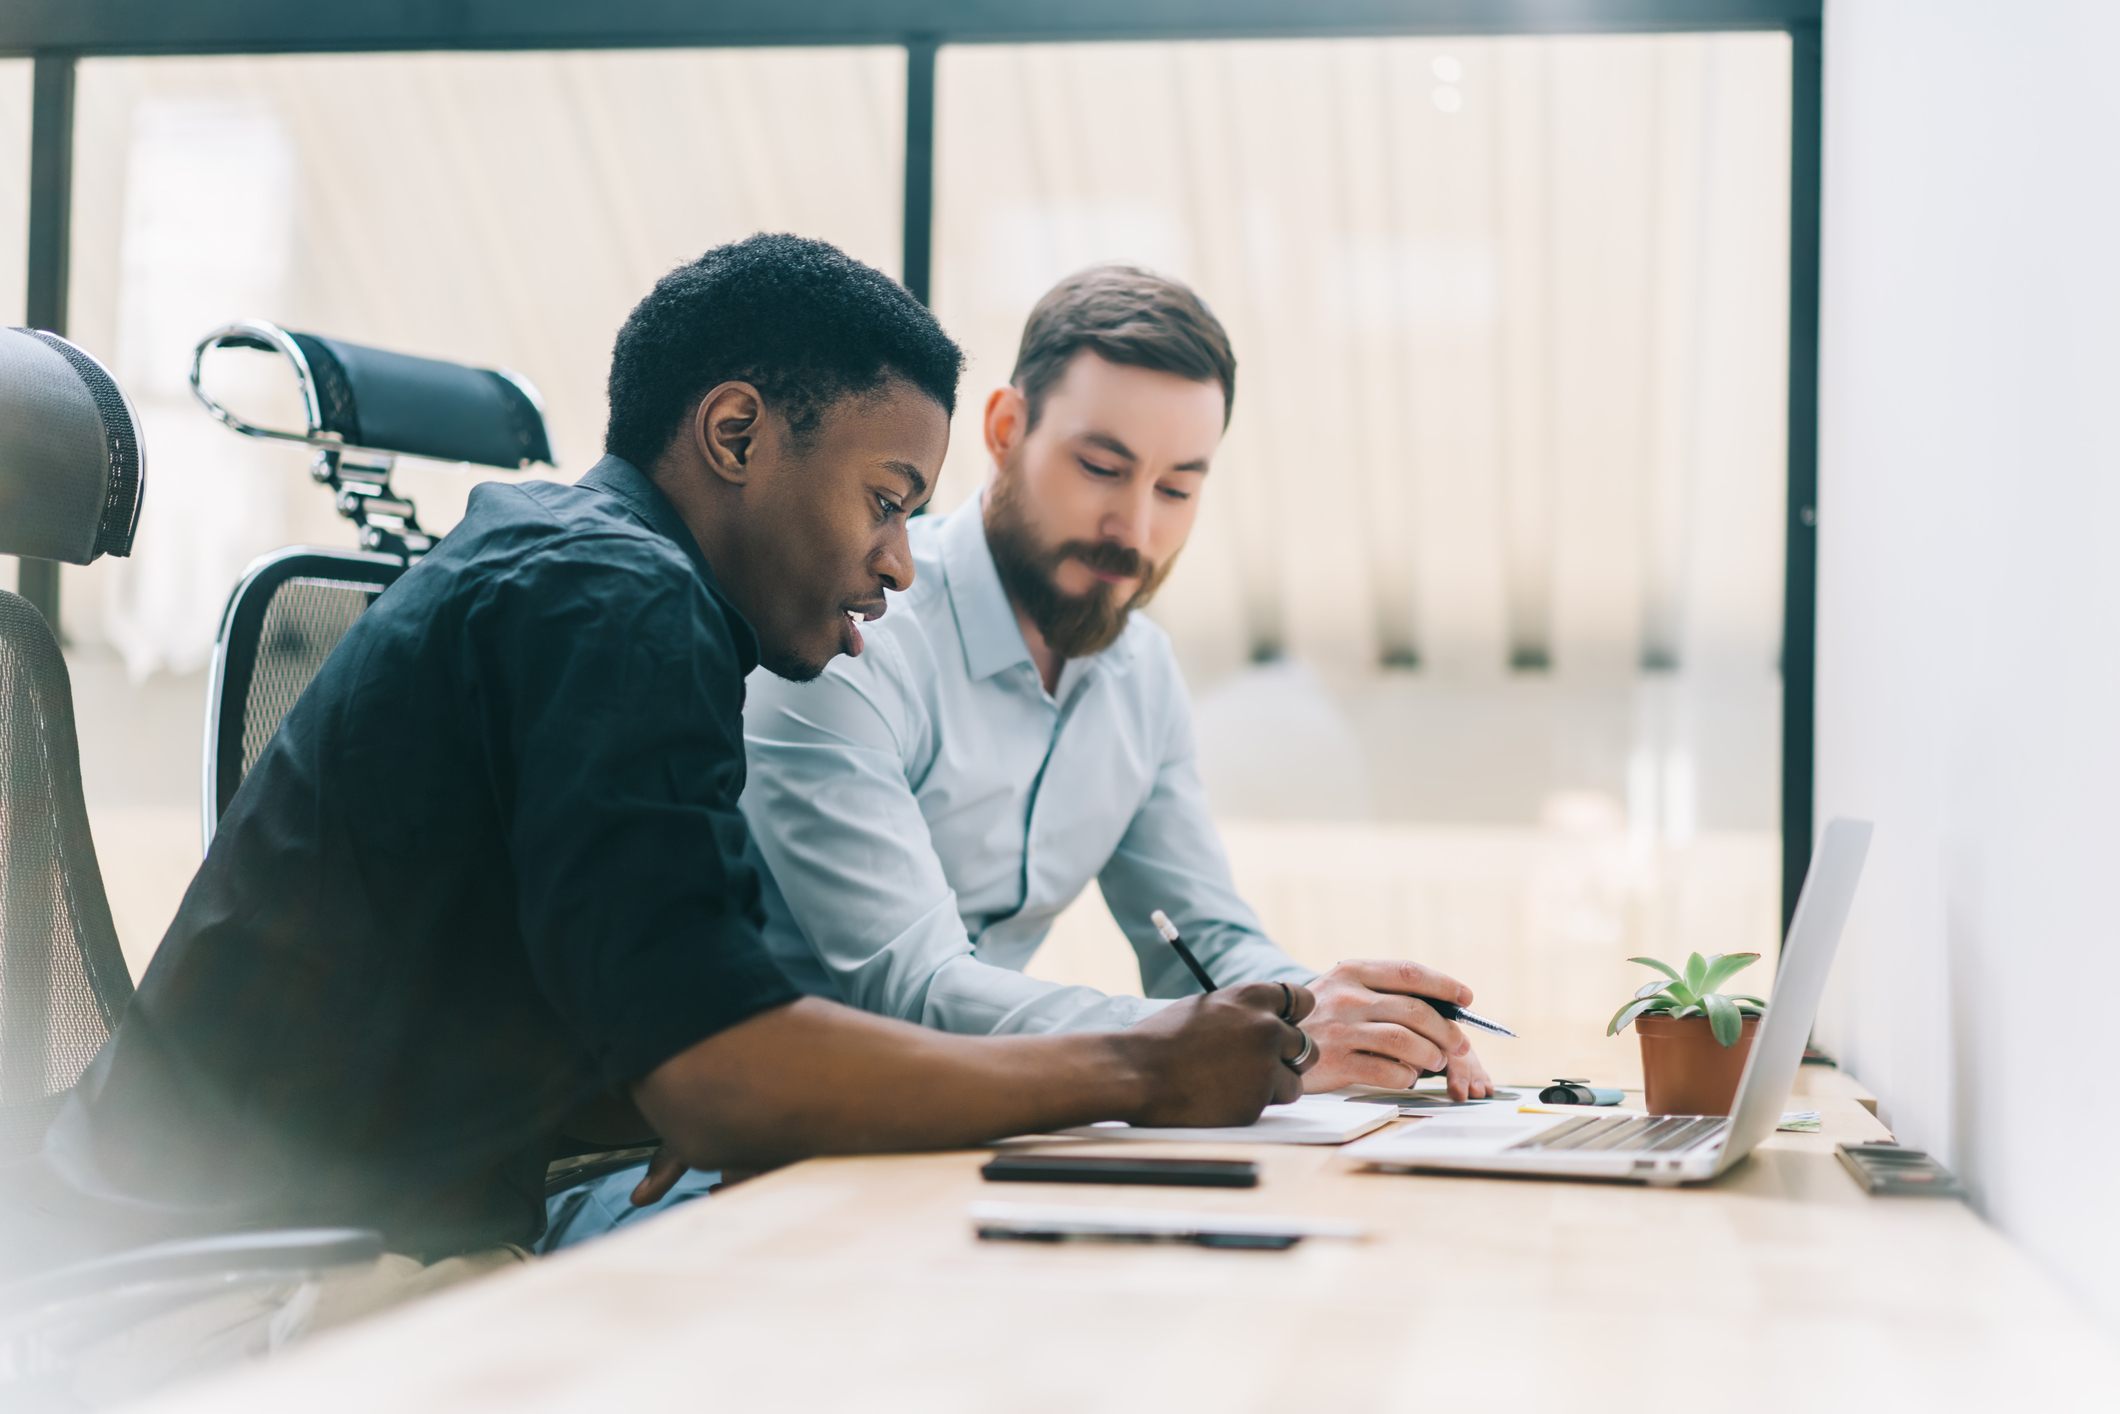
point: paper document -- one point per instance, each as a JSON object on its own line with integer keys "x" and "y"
{"x": 1424, "y": 1099}
{"x": 1150, "y": 1222}
{"x": 1483, "y": 1131}
{"x": 1314, "y": 1119}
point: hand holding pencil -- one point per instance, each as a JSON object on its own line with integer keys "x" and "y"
{"x": 1382, "y": 1023}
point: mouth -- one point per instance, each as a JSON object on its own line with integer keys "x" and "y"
{"x": 1102, "y": 573}
{"x": 854, "y": 616}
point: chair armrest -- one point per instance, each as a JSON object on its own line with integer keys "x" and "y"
{"x": 562, "y": 1174}
{"x": 227, "y": 1255}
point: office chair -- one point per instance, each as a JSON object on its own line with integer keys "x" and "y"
{"x": 72, "y": 475}
{"x": 70, "y": 484}
{"x": 365, "y": 408}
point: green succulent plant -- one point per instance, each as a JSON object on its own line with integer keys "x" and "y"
{"x": 1691, "y": 991}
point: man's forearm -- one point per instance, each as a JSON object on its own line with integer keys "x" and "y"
{"x": 976, "y": 998}
{"x": 1234, "y": 953}
{"x": 815, "y": 1078}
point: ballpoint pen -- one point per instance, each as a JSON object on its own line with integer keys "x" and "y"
{"x": 1451, "y": 1011}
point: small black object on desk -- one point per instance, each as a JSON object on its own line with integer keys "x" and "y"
{"x": 1102, "y": 1168}
{"x": 1895, "y": 1171}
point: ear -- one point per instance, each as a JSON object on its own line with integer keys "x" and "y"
{"x": 1006, "y": 422}
{"x": 725, "y": 430}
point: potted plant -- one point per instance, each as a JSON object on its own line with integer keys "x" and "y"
{"x": 1695, "y": 1038}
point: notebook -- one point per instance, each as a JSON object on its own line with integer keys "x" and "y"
{"x": 1314, "y": 1119}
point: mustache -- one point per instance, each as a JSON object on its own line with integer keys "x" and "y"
{"x": 1103, "y": 555}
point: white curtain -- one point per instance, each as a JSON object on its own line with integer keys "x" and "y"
{"x": 504, "y": 210}
{"x": 1510, "y": 315}
{"x": 1510, "y": 318}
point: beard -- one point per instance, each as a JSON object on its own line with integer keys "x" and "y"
{"x": 1073, "y": 625}
{"x": 790, "y": 666}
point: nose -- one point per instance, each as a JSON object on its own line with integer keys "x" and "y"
{"x": 1128, "y": 522}
{"x": 894, "y": 562}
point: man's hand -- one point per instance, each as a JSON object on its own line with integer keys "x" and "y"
{"x": 1219, "y": 1059}
{"x": 663, "y": 1172}
{"x": 812, "y": 1077}
{"x": 1371, "y": 1030}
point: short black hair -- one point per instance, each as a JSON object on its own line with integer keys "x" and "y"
{"x": 802, "y": 320}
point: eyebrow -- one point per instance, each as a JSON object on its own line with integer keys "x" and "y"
{"x": 1119, "y": 449}
{"x": 910, "y": 473}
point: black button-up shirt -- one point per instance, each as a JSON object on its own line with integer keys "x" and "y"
{"x": 490, "y": 868}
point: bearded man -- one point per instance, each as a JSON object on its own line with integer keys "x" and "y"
{"x": 1014, "y": 730}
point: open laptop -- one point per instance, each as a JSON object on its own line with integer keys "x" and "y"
{"x": 1663, "y": 1149}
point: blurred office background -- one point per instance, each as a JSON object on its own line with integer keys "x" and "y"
{"x": 1483, "y": 614}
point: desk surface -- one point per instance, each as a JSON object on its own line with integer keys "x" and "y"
{"x": 857, "y": 1283}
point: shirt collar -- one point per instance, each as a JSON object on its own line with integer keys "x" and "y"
{"x": 637, "y": 492}
{"x": 993, "y": 640}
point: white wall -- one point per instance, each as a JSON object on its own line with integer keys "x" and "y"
{"x": 1969, "y": 609}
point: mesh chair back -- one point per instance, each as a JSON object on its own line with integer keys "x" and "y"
{"x": 284, "y": 619}
{"x": 72, "y": 478}
{"x": 63, "y": 981}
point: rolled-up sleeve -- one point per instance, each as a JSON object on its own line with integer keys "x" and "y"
{"x": 615, "y": 722}
{"x": 1171, "y": 858}
{"x": 832, "y": 805}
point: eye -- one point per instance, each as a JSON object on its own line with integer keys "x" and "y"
{"x": 886, "y": 508}
{"x": 1105, "y": 473}
{"x": 1172, "y": 493}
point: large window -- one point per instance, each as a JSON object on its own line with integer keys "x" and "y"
{"x": 501, "y": 208}
{"x": 504, "y": 209}
{"x": 1483, "y": 612}
{"x": 1483, "y": 618}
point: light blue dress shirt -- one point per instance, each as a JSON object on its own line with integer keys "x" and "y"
{"x": 925, "y": 811}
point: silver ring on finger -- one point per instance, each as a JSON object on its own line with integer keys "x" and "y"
{"x": 1303, "y": 1059}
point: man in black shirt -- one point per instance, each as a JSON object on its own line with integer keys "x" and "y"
{"x": 487, "y": 887}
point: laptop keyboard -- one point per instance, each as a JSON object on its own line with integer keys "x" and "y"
{"x": 1667, "y": 1134}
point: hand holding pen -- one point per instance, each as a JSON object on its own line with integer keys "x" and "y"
{"x": 1382, "y": 1023}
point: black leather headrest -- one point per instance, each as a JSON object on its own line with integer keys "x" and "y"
{"x": 72, "y": 473}
{"x": 392, "y": 402}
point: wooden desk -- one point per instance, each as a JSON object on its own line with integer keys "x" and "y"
{"x": 857, "y": 1283}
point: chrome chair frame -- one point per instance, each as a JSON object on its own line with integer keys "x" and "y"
{"x": 235, "y": 654}
{"x": 359, "y": 476}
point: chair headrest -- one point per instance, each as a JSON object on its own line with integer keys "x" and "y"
{"x": 374, "y": 400}
{"x": 71, "y": 468}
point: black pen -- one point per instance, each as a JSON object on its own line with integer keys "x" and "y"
{"x": 1169, "y": 930}
{"x": 1451, "y": 1011}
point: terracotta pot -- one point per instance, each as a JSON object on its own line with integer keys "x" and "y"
{"x": 1685, "y": 1071}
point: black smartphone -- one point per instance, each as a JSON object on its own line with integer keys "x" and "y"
{"x": 1097, "y": 1168}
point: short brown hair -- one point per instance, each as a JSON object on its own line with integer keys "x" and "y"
{"x": 1125, "y": 315}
